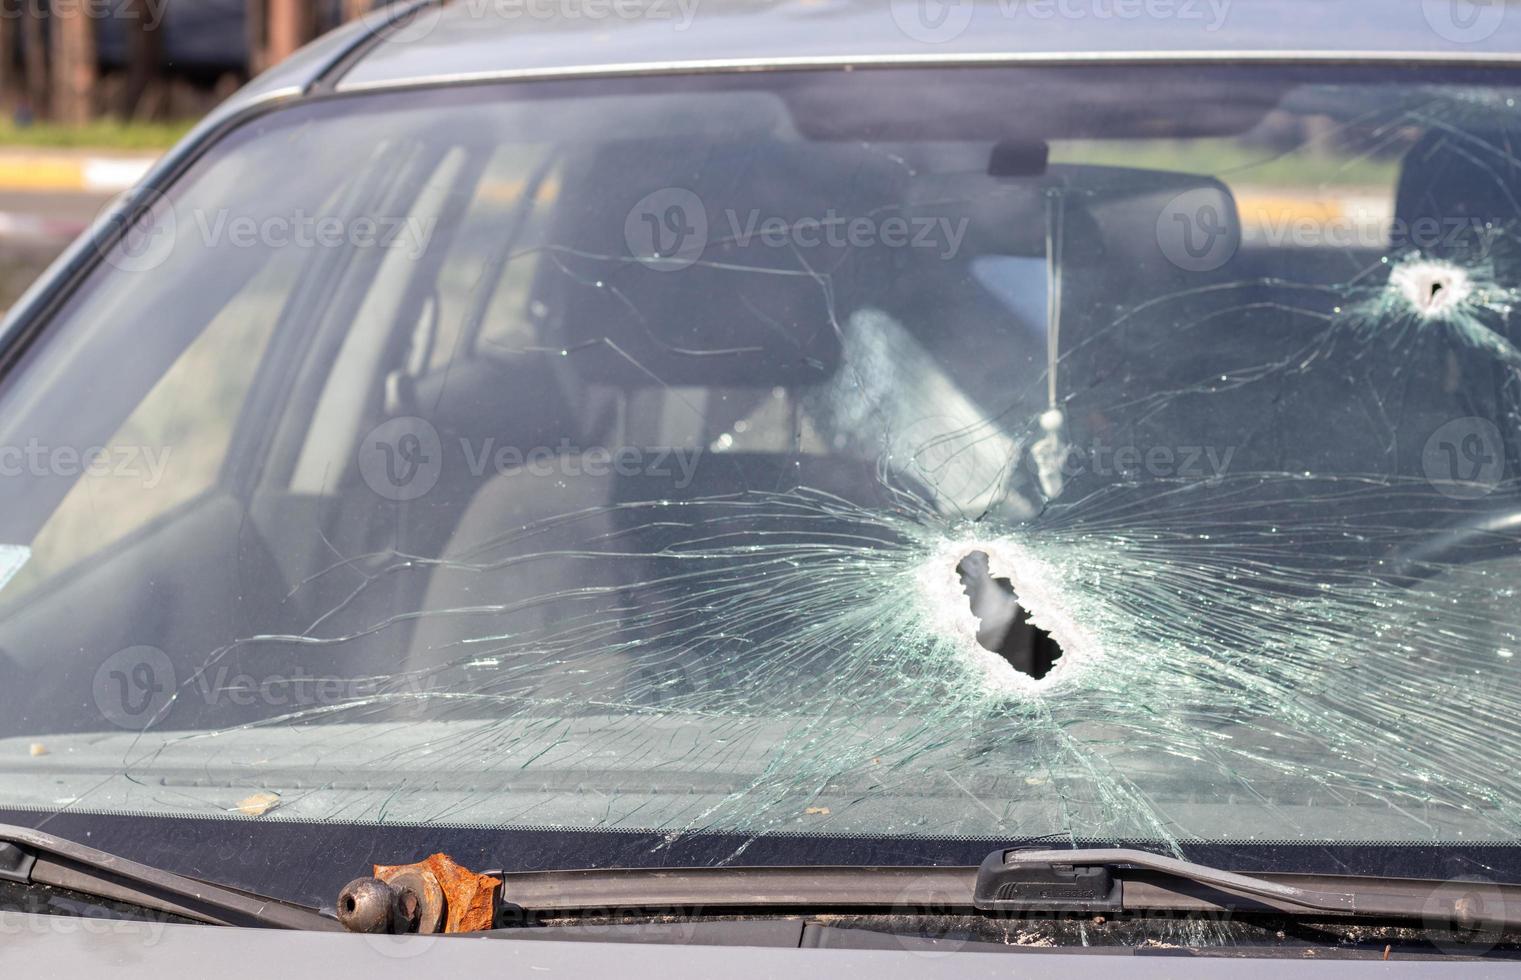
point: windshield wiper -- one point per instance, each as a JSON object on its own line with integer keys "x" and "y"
{"x": 1089, "y": 881}
{"x": 1119, "y": 879}
{"x": 31, "y": 857}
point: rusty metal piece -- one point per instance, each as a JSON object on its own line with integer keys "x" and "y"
{"x": 419, "y": 896}
{"x": 439, "y": 895}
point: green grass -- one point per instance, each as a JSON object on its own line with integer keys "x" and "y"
{"x": 105, "y": 134}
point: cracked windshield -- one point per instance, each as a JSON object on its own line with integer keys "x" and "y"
{"x": 1103, "y": 454}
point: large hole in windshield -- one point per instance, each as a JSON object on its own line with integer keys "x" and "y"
{"x": 1004, "y": 625}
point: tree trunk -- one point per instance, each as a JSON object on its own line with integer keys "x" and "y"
{"x": 145, "y": 53}
{"x": 74, "y": 74}
{"x": 35, "y": 57}
{"x": 12, "y": 88}
{"x": 254, "y": 23}
{"x": 291, "y": 24}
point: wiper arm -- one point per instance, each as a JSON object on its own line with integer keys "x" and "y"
{"x": 1088, "y": 881}
{"x": 1115, "y": 879}
{"x": 33, "y": 857}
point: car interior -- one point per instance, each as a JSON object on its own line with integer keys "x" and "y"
{"x": 750, "y": 375}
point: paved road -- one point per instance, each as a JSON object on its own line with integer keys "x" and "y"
{"x": 47, "y": 197}
{"x": 34, "y": 227}
{"x": 60, "y": 206}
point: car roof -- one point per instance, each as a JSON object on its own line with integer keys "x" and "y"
{"x": 469, "y": 39}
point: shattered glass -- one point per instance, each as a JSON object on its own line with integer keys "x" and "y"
{"x": 1211, "y": 406}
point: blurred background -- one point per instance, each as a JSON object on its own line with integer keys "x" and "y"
{"x": 92, "y": 91}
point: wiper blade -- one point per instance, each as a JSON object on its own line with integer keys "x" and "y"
{"x": 33, "y": 857}
{"x": 1116, "y": 879}
{"x": 1090, "y": 881}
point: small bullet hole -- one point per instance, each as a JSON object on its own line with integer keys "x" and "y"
{"x": 1004, "y": 627}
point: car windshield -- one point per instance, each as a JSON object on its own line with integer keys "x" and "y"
{"x": 1103, "y": 454}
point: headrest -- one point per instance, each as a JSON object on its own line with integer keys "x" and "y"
{"x": 715, "y": 264}
{"x": 1452, "y": 184}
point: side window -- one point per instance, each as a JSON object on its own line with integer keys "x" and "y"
{"x": 491, "y": 263}
{"x": 171, "y": 448}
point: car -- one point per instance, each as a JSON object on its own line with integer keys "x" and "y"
{"x": 812, "y": 487}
